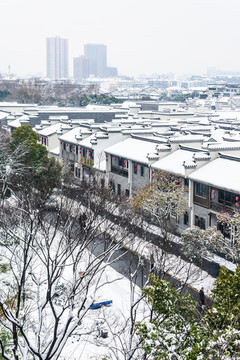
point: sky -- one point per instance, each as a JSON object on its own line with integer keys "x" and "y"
{"x": 142, "y": 36}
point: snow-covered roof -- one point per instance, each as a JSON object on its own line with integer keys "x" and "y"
{"x": 3, "y": 114}
{"x": 23, "y": 117}
{"x": 54, "y": 129}
{"x": 187, "y": 138}
{"x": 75, "y": 135}
{"x": 15, "y": 123}
{"x": 133, "y": 149}
{"x": 91, "y": 140}
{"x": 174, "y": 163}
{"x": 225, "y": 145}
{"x": 229, "y": 114}
{"x": 223, "y": 173}
{"x": 55, "y": 151}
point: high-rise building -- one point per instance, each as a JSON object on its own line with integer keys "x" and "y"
{"x": 80, "y": 67}
{"x": 97, "y": 56}
{"x": 57, "y": 58}
{"x": 93, "y": 62}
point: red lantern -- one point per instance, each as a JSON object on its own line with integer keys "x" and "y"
{"x": 180, "y": 180}
{"x": 115, "y": 159}
{"x": 61, "y": 142}
{"x": 236, "y": 198}
{"x": 214, "y": 191}
{"x": 237, "y": 204}
{"x": 213, "y": 196}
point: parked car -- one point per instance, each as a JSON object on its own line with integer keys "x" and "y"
{"x": 98, "y": 304}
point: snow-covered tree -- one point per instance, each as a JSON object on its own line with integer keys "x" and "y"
{"x": 234, "y": 229}
{"x": 175, "y": 329}
{"x": 55, "y": 262}
{"x": 198, "y": 243}
{"x": 166, "y": 334}
{"x": 162, "y": 199}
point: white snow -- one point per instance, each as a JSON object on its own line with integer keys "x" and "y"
{"x": 133, "y": 149}
{"x": 90, "y": 346}
{"x": 221, "y": 173}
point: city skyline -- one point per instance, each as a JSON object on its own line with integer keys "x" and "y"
{"x": 160, "y": 37}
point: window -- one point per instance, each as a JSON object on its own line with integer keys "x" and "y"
{"x": 114, "y": 160}
{"x": 186, "y": 182}
{"x": 200, "y": 222}
{"x": 142, "y": 170}
{"x": 84, "y": 152}
{"x": 71, "y": 148}
{"x": 122, "y": 162}
{"x": 64, "y": 146}
{"x": 119, "y": 189}
{"x": 90, "y": 154}
{"x": 77, "y": 172}
{"x": 127, "y": 192}
{"x": 200, "y": 189}
{"x": 228, "y": 197}
{"x": 112, "y": 185}
{"x": 185, "y": 218}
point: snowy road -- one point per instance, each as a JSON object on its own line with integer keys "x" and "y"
{"x": 111, "y": 319}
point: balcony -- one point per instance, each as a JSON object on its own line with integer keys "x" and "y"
{"x": 119, "y": 171}
{"x": 218, "y": 207}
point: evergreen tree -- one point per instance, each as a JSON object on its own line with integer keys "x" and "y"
{"x": 174, "y": 329}
{"x": 42, "y": 173}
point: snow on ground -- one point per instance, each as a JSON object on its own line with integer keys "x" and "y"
{"x": 112, "y": 318}
{"x": 174, "y": 265}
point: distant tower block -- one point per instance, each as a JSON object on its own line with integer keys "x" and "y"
{"x": 57, "y": 58}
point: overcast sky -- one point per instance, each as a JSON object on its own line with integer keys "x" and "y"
{"x": 142, "y": 36}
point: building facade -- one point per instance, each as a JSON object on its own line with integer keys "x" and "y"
{"x": 57, "y": 58}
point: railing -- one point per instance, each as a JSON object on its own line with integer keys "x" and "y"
{"x": 222, "y": 207}
{"x": 119, "y": 171}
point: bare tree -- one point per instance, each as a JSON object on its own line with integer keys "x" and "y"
{"x": 55, "y": 264}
